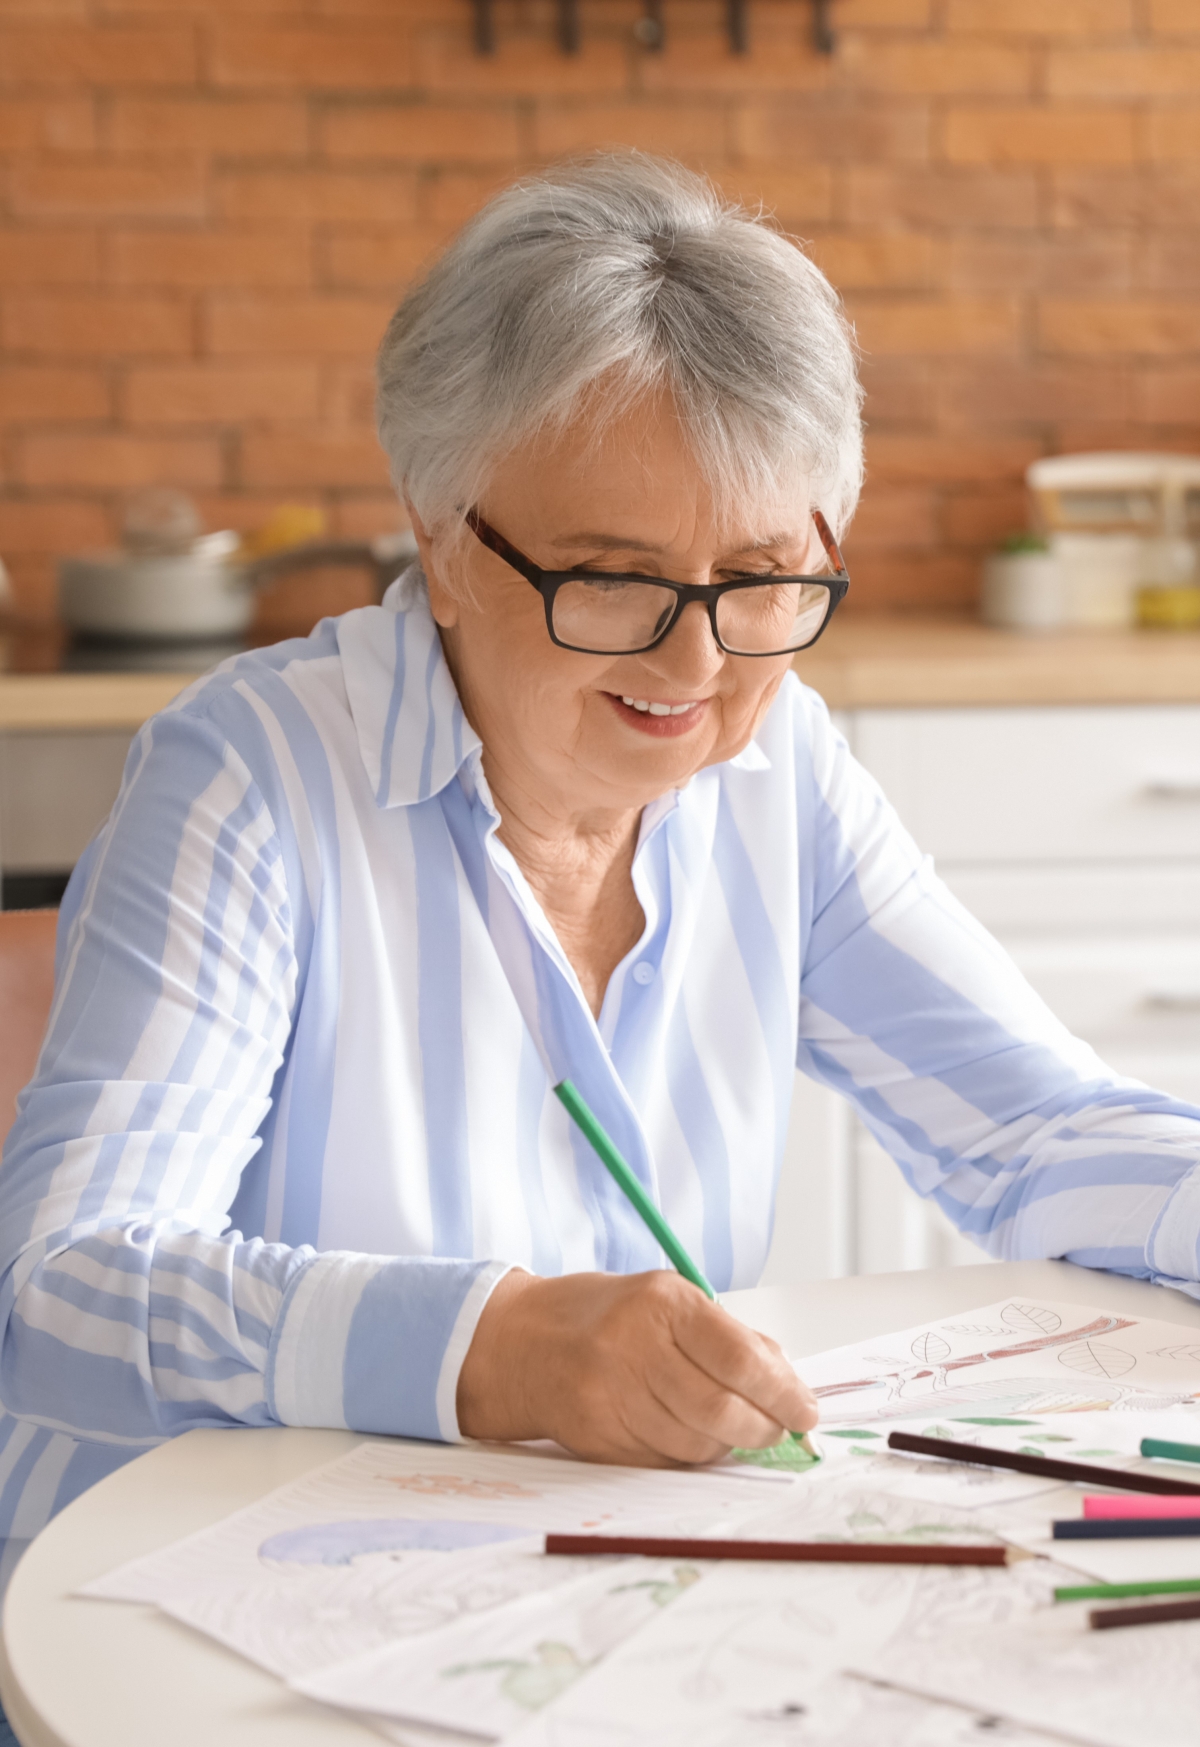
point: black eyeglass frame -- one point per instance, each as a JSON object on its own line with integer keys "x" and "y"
{"x": 548, "y": 583}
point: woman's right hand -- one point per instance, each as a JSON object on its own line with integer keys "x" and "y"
{"x": 638, "y": 1368}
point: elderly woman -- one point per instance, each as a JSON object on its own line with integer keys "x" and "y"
{"x": 558, "y": 807}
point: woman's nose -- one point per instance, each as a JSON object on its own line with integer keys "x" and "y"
{"x": 690, "y": 655}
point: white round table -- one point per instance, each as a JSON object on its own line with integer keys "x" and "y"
{"x": 79, "y": 1673}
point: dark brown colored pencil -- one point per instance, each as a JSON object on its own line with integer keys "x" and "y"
{"x": 805, "y": 1552}
{"x": 1151, "y": 1613}
{"x": 1047, "y": 1466}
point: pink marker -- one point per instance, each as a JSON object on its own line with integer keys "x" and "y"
{"x": 1106, "y": 1504}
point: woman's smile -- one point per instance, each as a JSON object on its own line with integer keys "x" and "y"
{"x": 657, "y": 716}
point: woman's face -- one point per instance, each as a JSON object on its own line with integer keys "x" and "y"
{"x": 565, "y": 726}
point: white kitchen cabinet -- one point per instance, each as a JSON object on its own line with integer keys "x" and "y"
{"x": 56, "y": 788}
{"x": 1073, "y": 833}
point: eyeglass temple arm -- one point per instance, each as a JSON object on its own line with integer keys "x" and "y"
{"x": 829, "y": 543}
{"x": 496, "y": 543}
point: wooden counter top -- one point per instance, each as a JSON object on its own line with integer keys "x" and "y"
{"x": 861, "y": 663}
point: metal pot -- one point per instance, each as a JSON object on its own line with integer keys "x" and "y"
{"x": 204, "y": 592}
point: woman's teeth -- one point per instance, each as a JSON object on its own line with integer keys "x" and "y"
{"x": 657, "y": 709}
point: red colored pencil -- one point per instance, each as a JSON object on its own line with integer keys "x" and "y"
{"x": 803, "y": 1552}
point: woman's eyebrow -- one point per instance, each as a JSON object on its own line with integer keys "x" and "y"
{"x": 629, "y": 543}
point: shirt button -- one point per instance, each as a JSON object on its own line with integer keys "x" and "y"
{"x": 643, "y": 973}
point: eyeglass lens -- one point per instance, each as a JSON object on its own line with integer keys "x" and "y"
{"x": 620, "y": 615}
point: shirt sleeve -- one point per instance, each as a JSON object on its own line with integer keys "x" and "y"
{"x": 127, "y": 1310}
{"x": 989, "y": 1105}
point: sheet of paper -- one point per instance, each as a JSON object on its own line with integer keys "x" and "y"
{"x": 395, "y": 1539}
{"x": 1122, "y": 1688}
{"x": 489, "y": 1674}
{"x": 751, "y": 1654}
{"x": 1012, "y": 1359}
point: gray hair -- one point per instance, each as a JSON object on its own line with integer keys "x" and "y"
{"x": 613, "y": 277}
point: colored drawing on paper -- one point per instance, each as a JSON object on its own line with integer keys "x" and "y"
{"x": 339, "y": 1543}
{"x": 789, "y": 1455}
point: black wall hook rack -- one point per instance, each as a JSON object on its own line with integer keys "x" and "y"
{"x": 651, "y": 30}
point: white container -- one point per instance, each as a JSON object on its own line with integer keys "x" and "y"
{"x": 1101, "y": 575}
{"x": 164, "y": 596}
{"x": 1022, "y": 591}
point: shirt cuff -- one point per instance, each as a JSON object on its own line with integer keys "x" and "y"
{"x": 1173, "y": 1247}
{"x": 376, "y": 1343}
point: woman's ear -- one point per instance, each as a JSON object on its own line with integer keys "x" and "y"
{"x": 441, "y": 599}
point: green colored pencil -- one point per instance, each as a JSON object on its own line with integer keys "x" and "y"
{"x": 1169, "y": 1452}
{"x": 581, "y": 1114}
{"x": 1114, "y": 1591}
{"x": 795, "y": 1450}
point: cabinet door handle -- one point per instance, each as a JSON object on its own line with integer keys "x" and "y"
{"x": 1172, "y": 788}
{"x": 1173, "y": 1001}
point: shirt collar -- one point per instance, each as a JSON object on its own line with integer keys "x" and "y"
{"x": 413, "y": 735}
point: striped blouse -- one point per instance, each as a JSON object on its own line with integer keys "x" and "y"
{"x": 293, "y": 1119}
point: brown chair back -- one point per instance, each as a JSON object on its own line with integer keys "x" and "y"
{"x": 26, "y": 990}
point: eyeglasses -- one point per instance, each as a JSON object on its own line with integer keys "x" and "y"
{"x": 603, "y": 613}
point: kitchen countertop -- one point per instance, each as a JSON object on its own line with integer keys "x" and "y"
{"x": 860, "y": 663}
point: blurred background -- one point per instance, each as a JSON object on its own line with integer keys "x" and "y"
{"x": 208, "y": 209}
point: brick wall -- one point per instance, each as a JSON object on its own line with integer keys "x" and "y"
{"x": 207, "y": 208}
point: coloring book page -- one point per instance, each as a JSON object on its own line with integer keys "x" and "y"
{"x": 488, "y": 1675}
{"x": 751, "y": 1656}
{"x": 1117, "y": 1688}
{"x": 1014, "y": 1358}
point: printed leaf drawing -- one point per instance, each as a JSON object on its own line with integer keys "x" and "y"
{"x": 1184, "y": 1355}
{"x": 930, "y": 1349}
{"x": 1097, "y": 1359}
{"x": 1032, "y": 1316}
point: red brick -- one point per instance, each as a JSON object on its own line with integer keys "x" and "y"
{"x": 363, "y": 516}
{"x": 1170, "y": 396}
{"x": 117, "y": 189}
{"x": 1045, "y": 18}
{"x": 700, "y": 61}
{"x": 61, "y": 124}
{"x": 421, "y": 132}
{"x": 1087, "y": 260}
{"x": 247, "y": 257}
{"x": 58, "y": 324}
{"x": 900, "y": 390}
{"x": 933, "y": 67}
{"x": 116, "y": 461}
{"x": 215, "y": 394}
{"x": 1092, "y": 326}
{"x": 947, "y": 458}
{"x": 522, "y": 66}
{"x": 302, "y": 196}
{"x": 58, "y": 525}
{"x": 1173, "y": 133}
{"x": 941, "y": 197}
{"x": 292, "y": 604}
{"x": 450, "y": 197}
{"x": 891, "y": 14}
{"x": 670, "y": 129}
{"x": 892, "y": 517}
{"x": 1033, "y": 134}
{"x": 938, "y": 326}
{"x": 983, "y": 518}
{"x": 333, "y": 57}
{"x": 1096, "y": 198}
{"x": 793, "y": 194}
{"x": 32, "y": 394}
{"x": 875, "y": 260}
{"x": 347, "y": 459}
{"x": 1031, "y": 392}
{"x": 1174, "y": 17}
{"x": 913, "y": 582}
{"x": 376, "y": 259}
{"x": 305, "y": 327}
{"x": 1129, "y": 71}
{"x": 1170, "y": 260}
{"x": 48, "y": 257}
{"x": 100, "y": 54}
{"x": 224, "y": 125}
{"x": 348, "y": 397}
{"x": 835, "y": 131}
